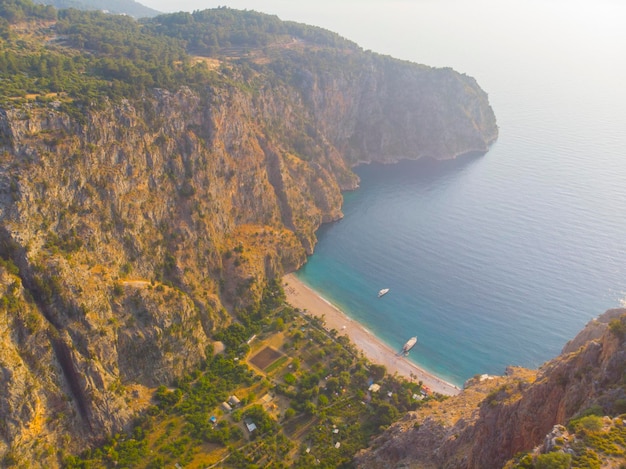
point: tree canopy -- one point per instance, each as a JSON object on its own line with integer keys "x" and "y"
{"x": 88, "y": 55}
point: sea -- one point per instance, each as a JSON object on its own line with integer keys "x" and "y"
{"x": 495, "y": 259}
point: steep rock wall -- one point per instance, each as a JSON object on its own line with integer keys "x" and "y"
{"x": 493, "y": 419}
{"x": 131, "y": 228}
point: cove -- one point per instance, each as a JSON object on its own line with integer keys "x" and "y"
{"x": 486, "y": 269}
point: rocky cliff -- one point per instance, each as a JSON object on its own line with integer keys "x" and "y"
{"x": 495, "y": 418}
{"x": 131, "y": 228}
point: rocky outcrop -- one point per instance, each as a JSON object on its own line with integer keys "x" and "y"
{"x": 593, "y": 330}
{"x": 497, "y": 418}
{"x": 397, "y": 112}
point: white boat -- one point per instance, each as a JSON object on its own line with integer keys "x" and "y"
{"x": 409, "y": 345}
{"x": 382, "y": 292}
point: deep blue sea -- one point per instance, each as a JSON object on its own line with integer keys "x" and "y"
{"x": 497, "y": 259}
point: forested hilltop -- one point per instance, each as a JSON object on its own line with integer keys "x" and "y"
{"x": 120, "y": 7}
{"x": 156, "y": 176}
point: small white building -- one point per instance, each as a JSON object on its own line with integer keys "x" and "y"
{"x": 250, "y": 425}
{"x": 226, "y": 407}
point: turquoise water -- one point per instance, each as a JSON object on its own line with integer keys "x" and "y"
{"x": 487, "y": 270}
{"x": 497, "y": 259}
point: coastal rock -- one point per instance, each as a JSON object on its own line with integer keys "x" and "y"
{"x": 492, "y": 420}
{"x": 556, "y": 439}
{"x": 593, "y": 330}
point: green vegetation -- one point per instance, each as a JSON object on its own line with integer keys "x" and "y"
{"x": 553, "y": 461}
{"x": 618, "y": 327}
{"x": 125, "y": 7}
{"x": 589, "y": 423}
{"x": 85, "y": 56}
{"x": 277, "y": 364}
{"x": 599, "y": 438}
{"x": 594, "y": 442}
{"x": 312, "y": 404}
{"x": 13, "y": 11}
{"x": 210, "y": 32}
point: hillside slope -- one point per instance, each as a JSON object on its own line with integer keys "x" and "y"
{"x": 496, "y": 418}
{"x": 146, "y": 195}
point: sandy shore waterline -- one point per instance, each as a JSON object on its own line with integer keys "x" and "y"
{"x": 302, "y": 297}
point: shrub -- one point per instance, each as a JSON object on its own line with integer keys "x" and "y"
{"x": 589, "y": 423}
{"x": 593, "y": 410}
{"x": 553, "y": 461}
{"x": 618, "y": 328}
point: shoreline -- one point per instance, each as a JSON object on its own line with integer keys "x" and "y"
{"x": 301, "y": 296}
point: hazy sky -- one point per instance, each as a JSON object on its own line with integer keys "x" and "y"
{"x": 478, "y": 37}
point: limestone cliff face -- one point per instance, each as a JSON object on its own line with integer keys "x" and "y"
{"x": 401, "y": 112}
{"x": 130, "y": 230}
{"x": 496, "y": 417}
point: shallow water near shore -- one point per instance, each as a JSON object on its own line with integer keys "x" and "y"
{"x": 492, "y": 260}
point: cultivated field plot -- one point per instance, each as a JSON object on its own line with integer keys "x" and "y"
{"x": 265, "y": 358}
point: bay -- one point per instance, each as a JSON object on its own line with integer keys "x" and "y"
{"x": 498, "y": 259}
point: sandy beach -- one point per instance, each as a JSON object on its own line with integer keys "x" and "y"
{"x": 304, "y": 298}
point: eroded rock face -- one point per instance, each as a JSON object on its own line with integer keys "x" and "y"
{"x": 491, "y": 421}
{"x": 593, "y": 330}
{"x": 132, "y": 228}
